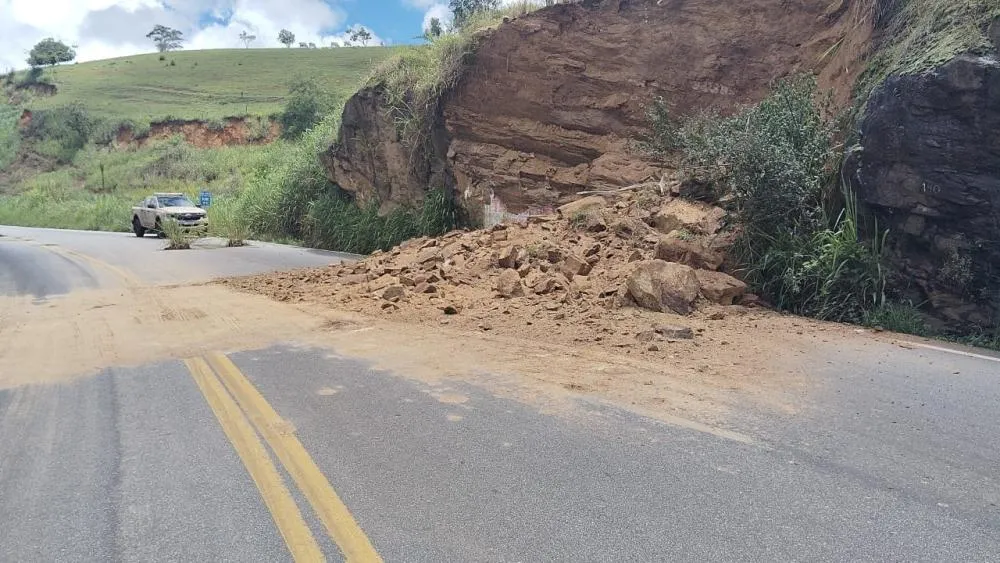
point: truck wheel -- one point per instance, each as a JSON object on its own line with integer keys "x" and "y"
{"x": 137, "y": 227}
{"x": 158, "y": 227}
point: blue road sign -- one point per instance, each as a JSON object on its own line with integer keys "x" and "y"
{"x": 205, "y": 198}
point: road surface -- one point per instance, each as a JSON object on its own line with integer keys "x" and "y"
{"x": 247, "y": 442}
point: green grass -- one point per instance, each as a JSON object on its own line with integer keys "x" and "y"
{"x": 923, "y": 34}
{"x": 206, "y": 84}
{"x": 10, "y": 139}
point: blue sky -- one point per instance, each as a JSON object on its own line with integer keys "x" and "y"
{"x": 109, "y": 28}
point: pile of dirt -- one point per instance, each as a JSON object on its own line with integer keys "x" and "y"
{"x": 637, "y": 272}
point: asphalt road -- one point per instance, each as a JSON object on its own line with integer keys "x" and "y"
{"x": 287, "y": 452}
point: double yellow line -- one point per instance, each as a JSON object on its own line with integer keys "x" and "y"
{"x": 243, "y": 413}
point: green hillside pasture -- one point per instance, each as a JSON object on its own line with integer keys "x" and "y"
{"x": 76, "y": 198}
{"x": 206, "y": 84}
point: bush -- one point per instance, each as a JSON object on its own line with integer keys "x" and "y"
{"x": 178, "y": 238}
{"x": 62, "y": 131}
{"x": 305, "y": 106}
{"x": 775, "y": 163}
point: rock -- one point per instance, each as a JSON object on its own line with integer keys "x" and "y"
{"x": 507, "y": 258}
{"x": 425, "y": 288}
{"x": 928, "y": 165}
{"x": 429, "y": 255}
{"x": 645, "y": 336}
{"x": 509, "y": 284}
{"x": 393, "y": 293}
{"x": 664, "y": 286}
{"x": 451, "y": 309}
{"x": 574, "y": 265}
{"x": 407, "y": 280}
{"x": 690, "y": 253}
{"x": 717, "y": 316}
{"x": 382, "y": 283}
{"x": 692, "y": 216}
{"x": 653, "y": 348}
{"x": 498, "y": 236}
{"x": 545, "y": 286}
{"x": 720, "y": 288}
{"x": 675, "y": 332}
{"x": 485, "y": 326}
{"x": 593, "y": 250}
{"x": 524, "y": 269}
{"x": 353, "y": 279}
{"x": 559, "y": 316}
{"x": 554, "y": 255}
{"x": 595, "y": 223}
{"x": 581, "y": 283}
{"x": 581, "y": 206}
{"x": 429, "y": 244}
{"x": 635, "y": 256}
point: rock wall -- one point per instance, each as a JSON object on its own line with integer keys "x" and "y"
{"x": 929, "y": 166}
{"x": 556, "y": 98}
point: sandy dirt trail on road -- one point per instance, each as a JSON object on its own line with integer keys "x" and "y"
{"x": 77, "y": 335}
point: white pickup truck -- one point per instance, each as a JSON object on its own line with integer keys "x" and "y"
{"x": 161, "y": 207}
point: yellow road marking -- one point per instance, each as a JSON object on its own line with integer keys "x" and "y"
{"x": 330, "y": 509}
{"x": 285, "y": 512}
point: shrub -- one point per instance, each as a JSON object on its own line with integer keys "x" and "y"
{"x": 305, "y": 106}
{"x": 62, "y": 131}
{"x": 898, "y": 317}
{"x": 178, "y": 238}
{"x": 775, "y": 163}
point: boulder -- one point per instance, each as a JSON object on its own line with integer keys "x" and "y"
{"x": 663, "y": 286}
{"x": 692, "y": 216}
{"x": 689, "y": 252}
{"x": 720, "y": 288}
{"x": 928, "y": 166}
{"x": 581, "y": 206}
{"x": 509, "y": 284}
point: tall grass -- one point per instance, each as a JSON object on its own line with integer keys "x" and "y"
{"x": 10, "y": 137}
{"x": 335, "y": 222}
{"x": 922, "y": 34}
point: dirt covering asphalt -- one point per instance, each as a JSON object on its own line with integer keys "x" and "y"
{"x": 569, "y": 281}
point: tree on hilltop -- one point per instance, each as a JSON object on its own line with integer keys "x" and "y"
{"x": 49, "y": 52}
{"x": 247, "y": 39}
{"x": 434, "y": 29}
{"x": 360, "y": 34}
{"x": 286, "y": 37}
{"x": 166, "y": 38}
{"x": 465, "y": 9}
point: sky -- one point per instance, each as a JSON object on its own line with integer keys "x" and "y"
{"x": 100, "y": 29}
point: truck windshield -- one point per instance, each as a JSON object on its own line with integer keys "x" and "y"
{"x": 174, "y": 201}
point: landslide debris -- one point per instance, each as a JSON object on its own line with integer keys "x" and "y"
{"x": 600, "y": 271}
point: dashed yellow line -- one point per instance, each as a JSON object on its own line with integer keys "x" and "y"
{"x": 330, "y": 509}
{"x": 279, "y": 501}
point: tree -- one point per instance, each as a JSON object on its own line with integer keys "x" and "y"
{"x": 304, "y": 107}
{"x": 360, "y": 34}
{"x": 49, "y": 52}
{"x": 166, "y": 38}
{"x": 465, "y": 9}
{"x": 434, "y": 29}
{"x": 247, "y": 39}
{"x": 286, "y": 37}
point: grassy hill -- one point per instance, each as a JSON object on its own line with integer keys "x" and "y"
{"x": 205, "y": 84}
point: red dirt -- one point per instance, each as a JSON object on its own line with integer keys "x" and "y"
{"x": 235, "y": 131}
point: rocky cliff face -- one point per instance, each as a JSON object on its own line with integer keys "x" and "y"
{"x": 929, "y": 166}
{"x": 556, "y": 98}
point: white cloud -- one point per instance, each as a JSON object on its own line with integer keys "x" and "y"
{"x": 108, "y": 28}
